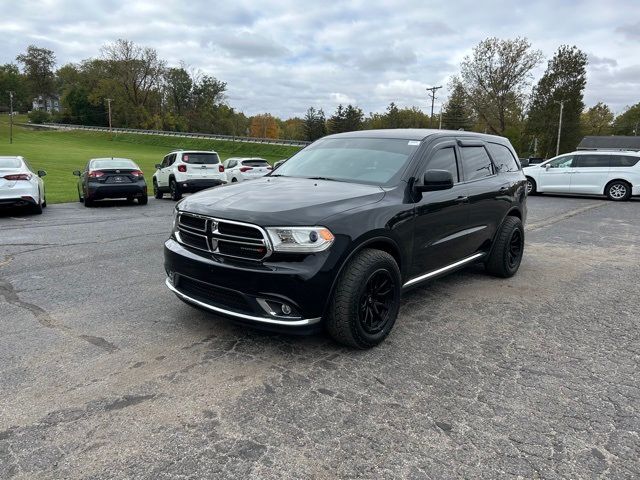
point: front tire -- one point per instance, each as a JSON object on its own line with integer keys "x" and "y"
{"x": 175, "y": 190}
{"x": 366, "y": 300}
{"x": 531, "y": 186}
{"x": 508, "y": 248}
{"x": 156, "y": 190}
{"x": 618, "y": 191}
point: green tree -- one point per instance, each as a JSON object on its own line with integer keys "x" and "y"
{"x": 457, "y": 115}
{"x": 495, "y": 77}
{"x": 628, "y": 122}
{"x": 314, "y": 124}
{"x": 597, "y": 120}
{"x": 38, "y": 65}
{"x": 346, "y": 119}
{"x": 564, "y": 80}
{"x": 178, "y": 85}
{"x": 11, "y": 80}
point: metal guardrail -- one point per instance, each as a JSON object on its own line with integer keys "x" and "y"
{"x": 164, "y": 133}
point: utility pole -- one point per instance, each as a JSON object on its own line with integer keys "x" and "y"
{"x": 10, "y": 117}
{"x": 561, "y": 102}
{"x": 635, "y": 129}
{"x": 535, "y": 146}
{"x": 440, "y": 125}
{"x": 109, "y": 100}
{"x": 432, "y": 94}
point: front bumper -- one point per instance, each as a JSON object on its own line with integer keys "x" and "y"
{"x": 242, "y": 289}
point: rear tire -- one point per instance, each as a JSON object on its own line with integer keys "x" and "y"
{"x": 143, "y": 200}
{"x": 88, "y": 202}
{"x": 156, "y": 190}
{"x": 508, "y": 248}
{"x": 618, "y": 191}
{"x": 175, "y": 190}
{"x": 130, "y": 199}
{"x": 366, "y": 300}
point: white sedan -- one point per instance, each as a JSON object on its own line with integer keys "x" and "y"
{"x": 615, "y": 174}
{"x": 20, "y": 185}
{"x": 239, "y": 169}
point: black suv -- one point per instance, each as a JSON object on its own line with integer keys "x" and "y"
{"x": 334, "y": 235}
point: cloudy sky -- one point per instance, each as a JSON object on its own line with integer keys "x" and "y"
{"x": 284, "y": 56}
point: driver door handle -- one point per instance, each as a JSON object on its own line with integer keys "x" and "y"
{"x": 462, "y": 199}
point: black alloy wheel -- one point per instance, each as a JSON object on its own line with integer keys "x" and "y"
{"x": 516, "y": 246}
{"x": 376, "y": 301}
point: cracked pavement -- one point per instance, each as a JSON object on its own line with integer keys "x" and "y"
{"x": 105, "y": 374}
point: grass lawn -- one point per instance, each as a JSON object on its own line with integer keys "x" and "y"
{"x": 62, "y": 152}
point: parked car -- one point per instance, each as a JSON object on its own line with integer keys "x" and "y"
{"x": 187, "y": 172}
{"x": 111, "y": 178}
{"x": 614, "y": 174}
{"x": 332, "y": 237}
{"x": 525, "y": 162}
{"x": 21, "y": 185}
{"x": 278, "y": 163}
{"x": 239, "y": 169}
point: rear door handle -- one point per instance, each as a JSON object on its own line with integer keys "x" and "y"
{"x": 504, "y": 189}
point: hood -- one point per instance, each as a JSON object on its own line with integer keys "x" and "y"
{"x": 273, "y": 201}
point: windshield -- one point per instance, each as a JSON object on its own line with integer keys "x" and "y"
{"x": 120, "y": 163}
{"x": 201, "y": 158}
{"x": 376, "y": 161}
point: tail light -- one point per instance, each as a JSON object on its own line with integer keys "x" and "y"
{"x": 221, "y": 168}
{"x": 18, "y": 176}
{"x": 96, "y": 174}
{"x": 137, "y": 173}
{"x": 245, "y": 169}
{"x": 182, "y": 168}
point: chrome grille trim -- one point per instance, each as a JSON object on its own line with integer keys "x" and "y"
{"x": 213, "y": 236}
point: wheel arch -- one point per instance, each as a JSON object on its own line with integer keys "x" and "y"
{"x": 620, "y": 179}
{"x": 384, "y": 243}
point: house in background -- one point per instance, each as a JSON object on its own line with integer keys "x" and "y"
{"x": 611, "y": 142}
{"x": 47, "y": 103}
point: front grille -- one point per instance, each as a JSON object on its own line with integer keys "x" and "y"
{"x": 223, "y": 237}
{"x": 212, "y": 294}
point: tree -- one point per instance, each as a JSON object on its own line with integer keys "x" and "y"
{"x": 11, "y": 80}
{"x": 597, "y": 120}
{"x": 314, "y": 124}
{"x": 494, "y": 79}
{"x": 264, "y": 126}
{"x": 628, "y": 122}
{"x": 457, "y": 115}
{"x": 293, "y": 129}
{"x": 178, "y": 85}
{"x": 564, "y": 80}
{"x": 38, "y": 64}
{"x": 346, "y": 119}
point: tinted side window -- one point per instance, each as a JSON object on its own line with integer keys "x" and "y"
{"x": 172, "y": 158}
{"x": 503, "y": 158}
{"x": 165, "y": 161}
{"x": 623, "y": 160}
{"x": 584, "y": 161}
{"x": 476, "y": 163}
{"x": 445, "y": 159}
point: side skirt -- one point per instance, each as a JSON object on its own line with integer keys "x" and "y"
{"x": 441, "y": 271}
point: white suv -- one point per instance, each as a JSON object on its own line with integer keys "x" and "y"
{"x": 186, "y": 171}
{"x": 239, "y": 169}
{"x": 614, "y": 174}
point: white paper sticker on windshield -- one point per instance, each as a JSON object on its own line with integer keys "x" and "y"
{"x": 414, "y": 142}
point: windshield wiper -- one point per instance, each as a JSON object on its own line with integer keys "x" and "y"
{"x": 323, "y": 178}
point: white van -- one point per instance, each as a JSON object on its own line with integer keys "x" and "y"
{"x": 615, "y": 174}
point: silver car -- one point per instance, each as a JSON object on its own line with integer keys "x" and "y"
{"x": 20, "y": 185}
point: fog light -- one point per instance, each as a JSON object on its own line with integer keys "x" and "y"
{"x": 286, "y": 309}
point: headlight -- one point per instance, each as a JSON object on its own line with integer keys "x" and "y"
{"x": 300, "y": 239}
{"x": 174, "y": 225}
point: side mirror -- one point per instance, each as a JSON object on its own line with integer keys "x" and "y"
{"x": 41, "y": 173}
{"x": 77, "y": 173}
{"x": 158, "y": 166}
{"x": 547, "y": 166}
{"x": 436, "y": 180}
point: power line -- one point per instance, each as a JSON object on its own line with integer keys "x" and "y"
{"x": 432, "y": 94}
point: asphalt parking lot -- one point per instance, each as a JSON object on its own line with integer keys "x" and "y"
{"x": 105, "y": 374}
